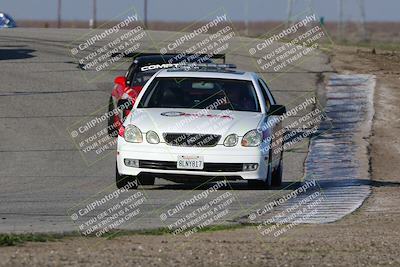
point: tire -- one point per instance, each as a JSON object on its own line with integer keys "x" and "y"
{"x": 112, "y": 131}
{"x": 277, "y": 175}
{"x": 124, "y": 104}
{"x": 268, "y": 179}
{"x": 123, "y": 180}
{"x": 146, "y": 179}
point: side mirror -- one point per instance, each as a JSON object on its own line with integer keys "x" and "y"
{"x": 276, "y": 110}
{"x": 121, "y": 80}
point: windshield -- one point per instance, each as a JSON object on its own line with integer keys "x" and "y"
{"x": 200, "y": 93}
{"x": 140, "y": 78}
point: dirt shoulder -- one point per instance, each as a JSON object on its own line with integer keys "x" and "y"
{"x": 368, "y": 237}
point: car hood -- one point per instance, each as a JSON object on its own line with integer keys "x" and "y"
{"x": 194, "y": 121}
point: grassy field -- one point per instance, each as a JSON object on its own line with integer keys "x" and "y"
{"x": 18, "y": 239}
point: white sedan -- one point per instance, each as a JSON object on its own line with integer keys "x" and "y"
{"x": 202, "y": 122}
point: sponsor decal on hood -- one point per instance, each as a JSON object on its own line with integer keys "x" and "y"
{"x": 178, "y": 114}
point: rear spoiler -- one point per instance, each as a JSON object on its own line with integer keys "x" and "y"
{"x": 136, "y": 55}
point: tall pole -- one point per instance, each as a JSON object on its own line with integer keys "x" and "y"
{"x": 340, "y": 25}
{"x": 289, "y": 12}
{"x": 363, "y": 19}
{"x": 310, "y": 5}
{"x": 246, "y": 14}
{"x": 94, "y": 15}
{"x": 59, "y": 14}
{"x": 145, "y": 14}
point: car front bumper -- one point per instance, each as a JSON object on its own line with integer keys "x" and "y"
{"x": 218, "y": 161}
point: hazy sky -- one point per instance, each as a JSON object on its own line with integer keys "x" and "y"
{"x": 189, "y": 10}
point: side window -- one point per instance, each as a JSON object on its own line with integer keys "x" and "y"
{"x": 129, "y": 74}
{"x": 264, "y": 92}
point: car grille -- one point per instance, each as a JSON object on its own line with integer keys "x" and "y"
{"x": 191, "y": 140}
{"x": 208, "y": 167}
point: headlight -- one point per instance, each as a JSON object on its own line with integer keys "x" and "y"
{"x": 152, "y": 137}
{"x": 133, "y": 134}
{"x": 252, "y": 138}
{"x": 231, "y": 140}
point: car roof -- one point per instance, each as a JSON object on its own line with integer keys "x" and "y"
{"x": 207, "y": 73}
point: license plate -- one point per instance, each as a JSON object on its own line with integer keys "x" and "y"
{"x": 190, "y": 162}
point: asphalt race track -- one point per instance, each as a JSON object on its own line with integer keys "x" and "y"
{"x": 43, "y": 177}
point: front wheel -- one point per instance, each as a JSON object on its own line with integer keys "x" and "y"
{"x": 125, "y": 180}
{"x": 112, "y": 130}
{"x": 277, "y": 175}
{"x": 263, "y": 184}
{"x": 146, "y": 179}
